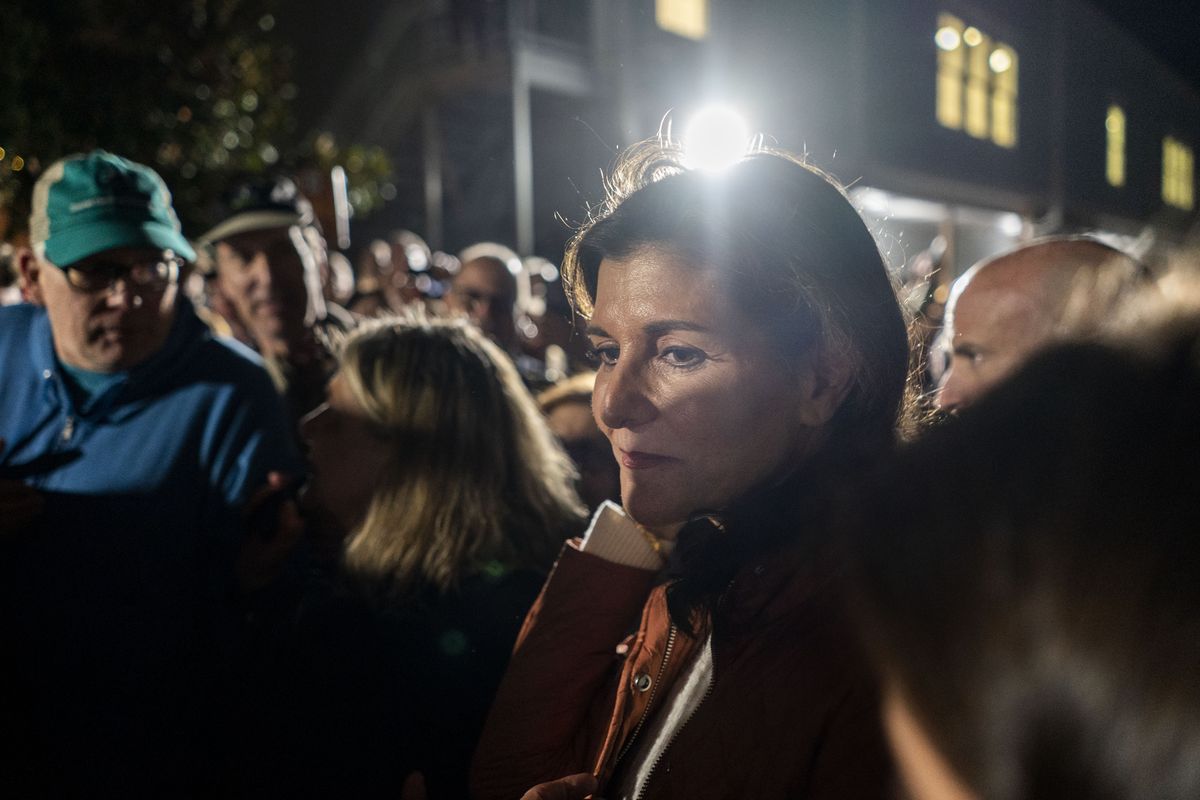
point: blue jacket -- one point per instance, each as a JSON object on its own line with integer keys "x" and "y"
{"x": 117, "y": 598}
{"x": 197, "y": 426}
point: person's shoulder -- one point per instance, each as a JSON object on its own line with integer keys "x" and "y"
{"x": 498, "y": 593}
{"x": 230, "y": 351}
{"x": 234, "y": 363}
{"x": 22, "y": 358}
{"x": 16, "y": 319}
{"x": 17, "y": 324}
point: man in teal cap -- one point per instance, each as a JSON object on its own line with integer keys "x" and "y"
{"x": 132, "y": 440}
{"x": 108, "y": 251}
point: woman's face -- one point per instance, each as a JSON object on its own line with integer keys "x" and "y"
{"x": 697, "y": 407}
{"x": 346, "y": 456}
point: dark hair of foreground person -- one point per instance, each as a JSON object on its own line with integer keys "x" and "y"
{"x": 1033, "y": 600}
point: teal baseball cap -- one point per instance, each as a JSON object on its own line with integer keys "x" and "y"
{"x": 91, "y": 202}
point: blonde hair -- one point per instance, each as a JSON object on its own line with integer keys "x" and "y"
{"x": 476, "y": 482}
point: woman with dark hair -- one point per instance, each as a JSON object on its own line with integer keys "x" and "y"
{"x": 751, "y": 355}
{"x": 1033, "y": 603}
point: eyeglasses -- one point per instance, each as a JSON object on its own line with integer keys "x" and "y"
{"x": 95, "y": 276}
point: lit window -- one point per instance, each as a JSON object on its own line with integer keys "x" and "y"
{"x": 978, "y": 77}
{"x": 687, "y": 18}
{"x": 976, "y": 82}
{"x": 950, "y": 71}
{"x": 1114, "y": 132}
{"x": 1003, "y": 64}
{"x": 1178, "y": 179}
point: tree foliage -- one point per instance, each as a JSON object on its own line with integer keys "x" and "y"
{"x": 199, "y": 89}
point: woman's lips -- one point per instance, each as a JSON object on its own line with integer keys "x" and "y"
{"x": 639, "y": 460}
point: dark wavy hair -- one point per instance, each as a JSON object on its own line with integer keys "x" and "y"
{"x": 797, "y": 258}
{"x": 1034, "y": 597}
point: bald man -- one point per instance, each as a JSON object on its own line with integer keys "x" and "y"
{"x": 1005, "y": 308}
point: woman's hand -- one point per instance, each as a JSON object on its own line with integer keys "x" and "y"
{"x": 20, "y": 504}
{"x": 572, "y": 787}
{"x": 273, "y": 527}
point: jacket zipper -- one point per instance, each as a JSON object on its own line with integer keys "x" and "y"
{"x": 661, "y": 753}
{"x": 662, "y": 668}
{"x": 68, "y": 428}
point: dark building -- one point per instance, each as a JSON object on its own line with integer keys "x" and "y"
{"x": 960, "y": 119}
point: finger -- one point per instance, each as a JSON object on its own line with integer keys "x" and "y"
{"x": 291, "y": 523}
{"x": 20, "y": 511}
{"x": 414, "y": 787}
{"x": 275, "y": 483}
{"x": 15, "y": 494}
{"x": 260, "y": 496}
{"x": 572, "y": 787}
{"x": 13, "y": 489}
{"x": 278, "y": 480}
{"x": 24, "y": 505}
{"x": 584, "y": 782}
{"x": 287, "y": 534}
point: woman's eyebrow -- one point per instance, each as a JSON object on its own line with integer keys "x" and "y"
{"x": 662, "y": 327}
{"x": 658, "y": 327}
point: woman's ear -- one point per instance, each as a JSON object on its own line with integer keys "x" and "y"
{"x": 824, "y": 380}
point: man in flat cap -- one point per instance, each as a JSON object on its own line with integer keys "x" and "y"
{"x": 265, "y": 284}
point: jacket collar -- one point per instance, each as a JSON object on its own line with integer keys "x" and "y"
{"x": 140, "y": 383}
{"x": 778, "y": 585}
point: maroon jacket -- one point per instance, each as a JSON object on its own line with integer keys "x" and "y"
{"x": 792, "y": 711}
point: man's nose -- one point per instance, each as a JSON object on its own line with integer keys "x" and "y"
{"x": 260, "y": 269}
{"x": 122, "y": 295}
{"x": 952, "y": 394}
{"x": 481, "y": 308}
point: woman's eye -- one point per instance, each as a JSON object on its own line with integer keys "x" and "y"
{"x": 683, "y": 356}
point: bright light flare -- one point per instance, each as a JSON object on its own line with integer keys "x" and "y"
{"x": 947, "y": 38}
{"x": 715, "y": 138}
{"x": 999, "y": 61}
{"x": 1011, "y": 225}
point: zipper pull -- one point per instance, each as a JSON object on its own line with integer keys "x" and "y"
{"x": 68, "y": 429}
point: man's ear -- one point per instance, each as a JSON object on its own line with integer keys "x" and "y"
{"x": 30, "y": 269}
{"x": 824, "y": 381}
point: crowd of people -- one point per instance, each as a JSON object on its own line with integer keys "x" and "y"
{"x": 273, "y": 526}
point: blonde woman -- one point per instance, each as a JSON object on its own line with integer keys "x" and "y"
{"x": 432, "y": 462}
{"x": 437, "y": 484}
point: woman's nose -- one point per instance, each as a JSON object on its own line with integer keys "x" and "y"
{"x": 621, "y": 398}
